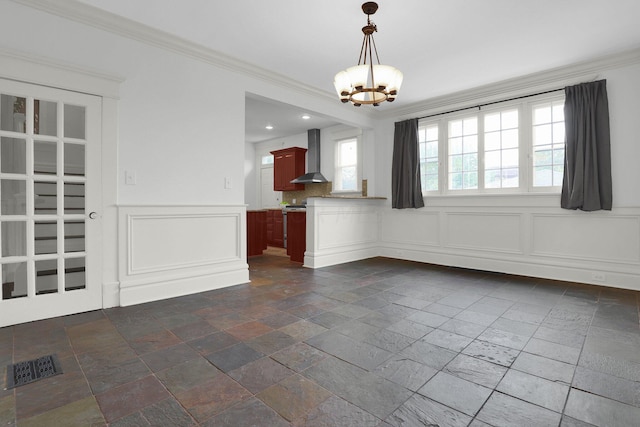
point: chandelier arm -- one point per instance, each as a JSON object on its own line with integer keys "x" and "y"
{"x": 375, "y": 49}
{"x": 363, "y": 49}
{"x": 373, "y": 82}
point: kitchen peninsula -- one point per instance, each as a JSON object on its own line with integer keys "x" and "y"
{"x": 341, "y": 229}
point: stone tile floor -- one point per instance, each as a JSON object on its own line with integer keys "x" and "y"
{"x": 379, "y": 342}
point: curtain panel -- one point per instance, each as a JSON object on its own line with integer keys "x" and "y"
{"x": 406, "y": 191}
{"x": 587, "y": 166}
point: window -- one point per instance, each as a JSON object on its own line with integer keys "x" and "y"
{"x": 346, "y": 166}
{"x": 548, "y": 144}
{"x": 267, "y": 159}
{"x": 501, "y": 152}
{"x": 428, "y": 142}
{"x": 463, "y": 154}
{"x": 487, "y": 151}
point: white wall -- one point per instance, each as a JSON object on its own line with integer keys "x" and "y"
{"x": 251, "y": 176}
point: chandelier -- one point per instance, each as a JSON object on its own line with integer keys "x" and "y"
{"x": 367, "y": 83}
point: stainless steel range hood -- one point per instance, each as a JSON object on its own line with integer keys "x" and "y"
{"x": 313, "y": 160}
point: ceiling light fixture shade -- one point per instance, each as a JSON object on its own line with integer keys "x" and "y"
{"x": 368, "y": 83}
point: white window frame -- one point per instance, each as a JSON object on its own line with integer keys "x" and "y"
{"x": 525, "y": 146}
{"x": 337, "y": 166}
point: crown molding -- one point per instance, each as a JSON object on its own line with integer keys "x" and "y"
{"x": 20, "y": 66}
{"x": 555, "y": 78}
{"x": 115, "y": 24}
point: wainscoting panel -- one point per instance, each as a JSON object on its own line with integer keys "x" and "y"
{"x": 525, "y": 235}
{"x": 159, "y": 243}
{"x": 498, "y": 232}
{"x": 169, "y": 251}
{"x": 592, "y": 237}
{"x": 414, "y": 227}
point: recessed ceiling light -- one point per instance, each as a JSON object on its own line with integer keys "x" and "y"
{"x": 306, "y": 117}
{"x": 268, "y": 127}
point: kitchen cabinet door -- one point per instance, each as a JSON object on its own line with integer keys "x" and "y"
{"x": 288, "y": 164}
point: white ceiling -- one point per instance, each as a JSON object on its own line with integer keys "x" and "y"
{"x": 441, "y": 46}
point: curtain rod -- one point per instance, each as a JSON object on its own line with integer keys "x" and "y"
{"x": 479, "y": 106}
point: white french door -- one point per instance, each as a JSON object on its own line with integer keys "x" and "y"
{"x": 49, "y": 189}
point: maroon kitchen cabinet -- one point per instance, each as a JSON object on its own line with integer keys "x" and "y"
{"x": 296, "y": 235}
{"x": 256, "y": 232}
{"x": 288, "y": 164}
{"x": 275, "y": 228}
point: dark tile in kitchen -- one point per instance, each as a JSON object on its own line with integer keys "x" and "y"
{"x": 618, "y": 344}
{"x": 558, "y": 336}
{"x": 248, "y": 330}
{"x": 168, "y": 357}
{"x": 84, "y": 412}
{"x": 491, "y": 305}
{"x": 49, "y": 393}
{"x": 154, "y": 341}
{"x": 456, "y": 393}
{"x": 620, "y": 389}
{"x": 294, "y": 397}
{"x": 213, "y": 342}
{"x": 193, "y": 330}
{"x": 358, "y": 353}
{"x": 410, "y": 329}
{"x": 476, "y": 370}
{"x": 305, "y": 311}
{"x": 428, "y": 319}
{"x": 428, "y": 354}
{"x": 347, "y": 381}
{"x": 536, "y": 390}
{"x": 599, "y": 410}
{"x": 460, "y": 327}
{"x": 257, "y": 376}
{"x": 227, "y": 321}
{"x": 168, "y": 412}
{"x": 514, "y": 327}
{"x": 448, "y": 340}
{"x": 104, "y": 374}
{"x": 544, "y": 367}
{"x": 212, "y": 397}
{"x": 234, "y": 357}
{"x": 405, "y": 372}
{"x": 131, "y": 397}
{"x": 553, "y": 350}
{"x": 476, "y": 317}
{"x": 422, "y": 411}
{"x": 443, "y": 310}
{"x": 336, "y": 412}
{"x": 505, "y": 339}
{"x": 329, "y": 319}
{"x": 279, "y": 319}
{"x": 299, "y": 356}
{"x": 187, "y": 374}
{"x": 610, "y": 365}
{"x": 503, "y": 410}
{"x": 303, "y": 330}
{"x": 491, "y": 352}
{"x": 249, "y": 412}
{"x": 460, "y": 300}
{"x": 271, "y": 342}
{"x": 520, "y": 314}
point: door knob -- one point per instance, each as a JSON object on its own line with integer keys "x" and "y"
{"x": 93, "y": 215}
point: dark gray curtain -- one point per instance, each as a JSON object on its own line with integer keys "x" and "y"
{"x": 406, "y": 191}
{"x": 587, "y": 165}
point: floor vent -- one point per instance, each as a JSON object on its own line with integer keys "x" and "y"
{"x": 22, "y": 373}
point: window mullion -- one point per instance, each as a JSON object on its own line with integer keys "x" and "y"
{"x": 481, "y": 152}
